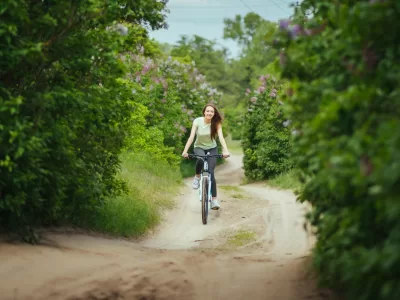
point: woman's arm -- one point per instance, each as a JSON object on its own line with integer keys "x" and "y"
{"x": 190, "y": 140}
{"x": 225, "y": 150}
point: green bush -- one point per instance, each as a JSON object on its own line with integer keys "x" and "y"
{"x": 63, "y": 119}
{"x": 266, "y": 139}
{"x": 343, "y": 62}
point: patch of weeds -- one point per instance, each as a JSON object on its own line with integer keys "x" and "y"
{"x": 230, "y": 188}
{"x": 241, "y": 238}
{"x": 288, "y": 180}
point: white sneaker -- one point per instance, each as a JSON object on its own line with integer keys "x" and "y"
{"x": 214, "y": 204}
{"x": 196, "y": 183}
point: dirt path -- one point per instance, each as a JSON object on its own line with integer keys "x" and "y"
{"x": 254, "y": 247}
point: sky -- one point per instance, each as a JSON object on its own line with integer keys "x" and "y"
{"x": 205, "y": 18}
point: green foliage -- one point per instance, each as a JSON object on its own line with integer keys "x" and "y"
{"x": 209, "y": 60}
{"x": 151, "y": 184}
{"x": 243, "y": 29}
{"x": 266, "y": 140}
{"x": 254, "y": 35}
{"x": 344, "y": 70}
{"x": 64, "y": 119}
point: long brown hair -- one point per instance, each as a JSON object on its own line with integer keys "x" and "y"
{"x": 215, "y": 121}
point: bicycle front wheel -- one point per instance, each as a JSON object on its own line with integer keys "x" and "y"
{"x": 204, "y": 200}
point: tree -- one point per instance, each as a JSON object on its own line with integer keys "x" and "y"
{"x": 210, "y": 61}
{"x": 64, "y": 120}
{"x": 242, "y": 30}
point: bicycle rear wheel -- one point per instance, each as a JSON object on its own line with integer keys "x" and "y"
{"x": 204, "y": 200}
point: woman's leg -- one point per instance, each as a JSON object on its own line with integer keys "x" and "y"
{"x": 199, "y": 167}
{"x": 212, "y": 162}
{"x": 199, "y": 162}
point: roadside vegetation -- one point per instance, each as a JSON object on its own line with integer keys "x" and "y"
{"x": 94, "y": 116}
{"x": 152, "y": 186}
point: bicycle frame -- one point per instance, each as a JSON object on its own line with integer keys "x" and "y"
{"x": 205, "y": 173}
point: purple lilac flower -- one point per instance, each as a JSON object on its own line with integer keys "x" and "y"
{"x": 284, "y": 24}
{"x": 296, "y": 31}
{"x": 272, "y": 94}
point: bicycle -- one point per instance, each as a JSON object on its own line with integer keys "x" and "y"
{"x": 205, "y": 184}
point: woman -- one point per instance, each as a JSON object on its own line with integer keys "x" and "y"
{"x": 206, "y": 129}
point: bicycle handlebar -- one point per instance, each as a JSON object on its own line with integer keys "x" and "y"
{"x": 203, "y": 156}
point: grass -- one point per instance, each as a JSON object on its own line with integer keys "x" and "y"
{"x": 187, "y": 167}
{"x": 236, "y": 192}
{"x": 230, "y": 188}
{"x": 288, "y": 180}
{"x": 241, "y": 238}
{"x": 152, "y": 185}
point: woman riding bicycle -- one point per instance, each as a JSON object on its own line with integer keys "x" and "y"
{"x": 206, "y": 129}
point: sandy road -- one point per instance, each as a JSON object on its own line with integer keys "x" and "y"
{"x": 254, "y": 247}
